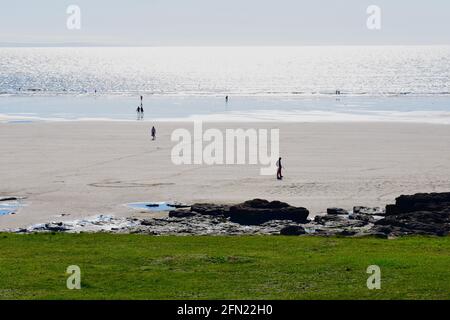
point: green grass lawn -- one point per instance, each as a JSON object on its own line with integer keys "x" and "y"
{"x": 146, "y": 267}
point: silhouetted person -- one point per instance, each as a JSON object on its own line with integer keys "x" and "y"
{"x": 226, "y": 99}
{"x": 141, "y": 108}
{"x": 280, "y": 167}
{"x": 153, "y": 133}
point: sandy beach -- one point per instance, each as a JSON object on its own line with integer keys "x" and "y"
{"x": 82, "y": 169}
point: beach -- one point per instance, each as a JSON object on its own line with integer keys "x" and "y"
{"x": 78, "y": 169}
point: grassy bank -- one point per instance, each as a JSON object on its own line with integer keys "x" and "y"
{"x": 145, "y": 267}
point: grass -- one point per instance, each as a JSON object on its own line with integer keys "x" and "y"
{"x": 146, "y": 267}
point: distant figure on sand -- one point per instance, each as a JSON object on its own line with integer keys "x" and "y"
{"x": 153, "y": 133}
{"x": 280, "y": 167}
{"x": 226, "y": 99}
{"x": 141, "y": 108}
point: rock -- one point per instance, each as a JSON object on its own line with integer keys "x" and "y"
{"x": 147, "y": 222}
{"x": 210, "y": 209}
{"x": 178, "y": 205}
{"x": 377, "y": 211}
{"x": 336, "y": 223}
{"x": 419, "y": 202}
{"x": 383, "y": 229}
{"x": 292, "y": 231}
{"x": 181, "y": 213}
{"x": 56, "y": 227}
{"x": 258, "y": 211}
{"x": 347, "y": 233}
{"x": 420, "y": 222}
{"x": 329, "y": 218}
{"x": 362, "y": 217}
{"x": 422, "y": 213}
{"x": 336, "y": 211}
{"x": 8, "y": 199}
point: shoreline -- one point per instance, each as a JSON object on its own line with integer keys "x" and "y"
{"x": 317, "y": 118}
{"x": 338, "y": 108}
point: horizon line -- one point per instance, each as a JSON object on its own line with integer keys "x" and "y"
{"x": 111, "y": 45}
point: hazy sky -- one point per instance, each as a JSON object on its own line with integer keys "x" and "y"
{"x": 225, "y": 22}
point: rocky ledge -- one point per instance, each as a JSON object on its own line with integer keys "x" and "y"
{"x": 422, "y": 214}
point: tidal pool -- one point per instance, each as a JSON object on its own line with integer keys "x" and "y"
{"x": 8, "y": 208}
{"x": 151, "y": 206}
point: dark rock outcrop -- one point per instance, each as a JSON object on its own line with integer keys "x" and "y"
{"x": 258, "y": 211}
{"x": 422, "y": 213}
{"x": 181, "y": 213}
{"x": 339, "y": 222}
{"x": 292, "y": 231}
{"x": 253, "y": 212}
{"x": 362, "y": 217}
{"x": 337, "y": 211}
{"x": 211, "y": 209}
{"x": 178, "y": 205}
{"x": 368, "y": 211}
{"x": 55, "y": 227}
{"x": 419, "y": 202}
{"x": 8, "y": 199}
{"x": 420, "y": 222}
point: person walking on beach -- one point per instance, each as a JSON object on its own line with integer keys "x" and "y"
{"x": 280, "y": 167}
{"x": 138, "y": 112}
{"x": 226, "y": 99}
{"x": 153, "y": 133}
{"x": 141, "y": 110}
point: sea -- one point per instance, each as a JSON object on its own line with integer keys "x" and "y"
{"x": 301, "y": 84}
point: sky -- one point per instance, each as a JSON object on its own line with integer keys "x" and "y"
{"x": 224, "y": 22}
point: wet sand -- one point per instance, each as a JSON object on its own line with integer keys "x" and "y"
{"x": 82, "y": 169}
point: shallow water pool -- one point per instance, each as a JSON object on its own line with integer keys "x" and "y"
{"x": 151, "y": 206}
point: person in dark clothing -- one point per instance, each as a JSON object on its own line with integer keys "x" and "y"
{"x": 141, "y": 111}
{"x": 153, "y": 133}
{"x": 280, "y": 167}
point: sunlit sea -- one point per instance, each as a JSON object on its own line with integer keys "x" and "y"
{"x": 380, "y": 83}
